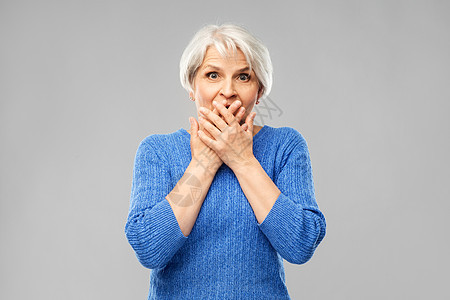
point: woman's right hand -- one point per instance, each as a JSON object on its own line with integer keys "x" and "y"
{"x": 201, "y": 153}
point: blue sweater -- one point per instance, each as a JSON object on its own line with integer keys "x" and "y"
{"x": 228, "y": 254}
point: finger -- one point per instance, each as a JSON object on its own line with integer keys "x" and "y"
{"x": 240, "y": 113}
{"x": 203, "y": 119}
{"x": 249, "y": 121}
{"x": 216, "y": 120}
{"x": 200, "y": 127}
{"x": 215, "y": 111}
{"x": 207, "y": 140}
{"x": 194, "y": 126}
{"x": 232, "y": 108}
{"x": 212, "y": 130}
{"x": 237, "y": 110}
{"x": 228, "y": 117}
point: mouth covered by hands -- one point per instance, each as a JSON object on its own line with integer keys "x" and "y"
{"x": 232, "y": 142}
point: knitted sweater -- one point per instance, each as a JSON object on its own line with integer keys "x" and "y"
{"x": 228, "y": 254}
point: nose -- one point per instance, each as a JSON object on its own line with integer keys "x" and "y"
{"x": 228, "y": 90}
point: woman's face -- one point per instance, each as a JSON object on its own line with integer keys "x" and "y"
{"x": 221, "y": 79}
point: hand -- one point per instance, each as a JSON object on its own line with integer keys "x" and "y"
{"x": 201, "y": 153}
{"x": 231, "y": 142}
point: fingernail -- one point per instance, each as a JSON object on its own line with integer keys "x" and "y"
{"x": 214, "y": 102}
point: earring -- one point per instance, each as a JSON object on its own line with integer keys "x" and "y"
{"x": 190, "y": 98}
{"x": 257, "y": 101}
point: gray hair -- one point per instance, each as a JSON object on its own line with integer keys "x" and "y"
{"x": 225, "y": 36}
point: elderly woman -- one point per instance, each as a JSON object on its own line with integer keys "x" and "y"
{"x": 215, "y": 210}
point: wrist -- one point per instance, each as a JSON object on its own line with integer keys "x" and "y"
{"x": 246, "y": 165}
{"x": 204, "y": 166}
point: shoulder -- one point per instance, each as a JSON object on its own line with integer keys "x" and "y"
{"x": 149, "y": 142}
{"x": 156, "y": 145}
{"x": 159, "y": 139}
{"x": 288, "y": 135}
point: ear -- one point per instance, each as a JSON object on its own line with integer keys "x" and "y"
{"x": 260, "y": 92}
{"x": 191, "y": 95}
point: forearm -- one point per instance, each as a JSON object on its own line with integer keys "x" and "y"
{"x": 258, "y": 187}
{"x": 188, "y": 195}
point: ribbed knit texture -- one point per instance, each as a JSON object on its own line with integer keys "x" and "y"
{"x": 227, "y": 255}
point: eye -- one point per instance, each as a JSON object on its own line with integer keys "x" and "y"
{"x": 212, "y": 75}
{"x": 244, "y": 77}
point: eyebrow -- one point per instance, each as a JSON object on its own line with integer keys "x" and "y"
{"x": 217, "y": 68}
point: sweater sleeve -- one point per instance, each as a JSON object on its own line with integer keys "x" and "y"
{"x": 151, "y": 227}
{"x": 295, "y": 226}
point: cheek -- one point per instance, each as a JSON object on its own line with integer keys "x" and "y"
{"x": 250, "y": 91}
{"x": 206, "y": 93}
{"x": 250, "y": 96}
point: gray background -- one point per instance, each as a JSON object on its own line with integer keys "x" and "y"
{"x": 366, "y": 83}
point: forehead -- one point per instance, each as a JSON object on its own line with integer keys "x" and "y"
{"x": 212, "y": 55}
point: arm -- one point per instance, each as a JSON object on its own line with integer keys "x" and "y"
{"x": 186, "y": 198}
{"x": 287, "y": 211}
{"x": 156, "y": 228}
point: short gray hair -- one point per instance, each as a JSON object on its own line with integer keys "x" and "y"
{"x": 225, "y": 36}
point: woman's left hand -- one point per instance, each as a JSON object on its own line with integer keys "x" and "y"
{"x": 233, "y": 143}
